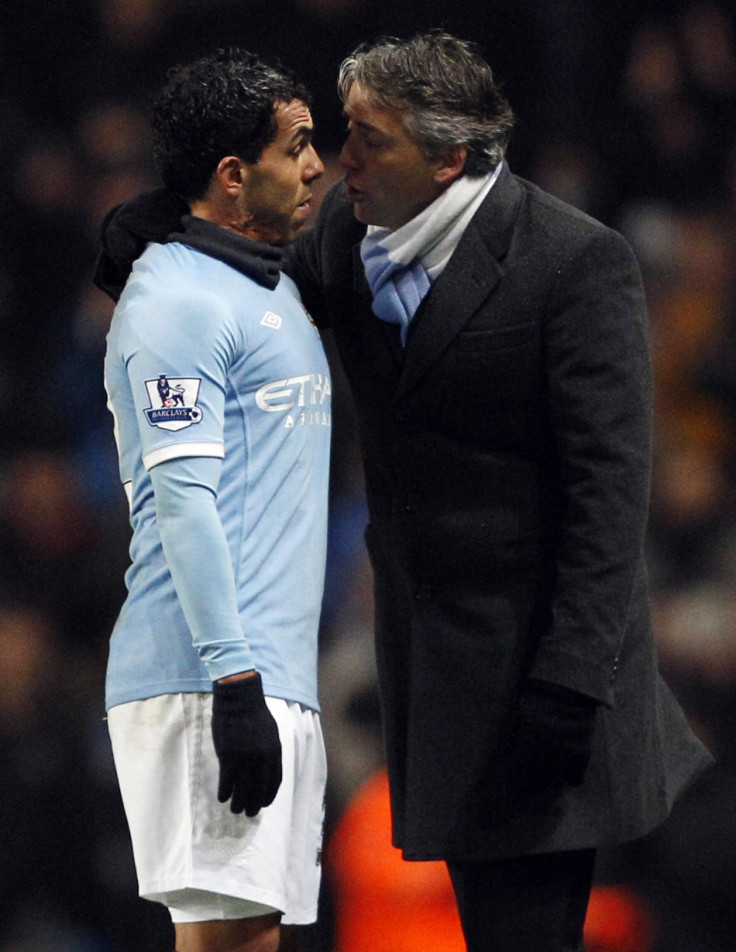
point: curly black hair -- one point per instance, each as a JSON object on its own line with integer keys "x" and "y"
{"x": 223, "y": 104}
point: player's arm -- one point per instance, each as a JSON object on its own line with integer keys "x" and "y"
{"x": 244, "y": 732}
{"x": 198, "y": 556}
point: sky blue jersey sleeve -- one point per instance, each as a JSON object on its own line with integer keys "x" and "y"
{"x": 177, "y": 350}
{"x": 198, "y": 557}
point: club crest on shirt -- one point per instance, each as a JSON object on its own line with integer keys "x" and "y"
{"x": 173, "y": 402}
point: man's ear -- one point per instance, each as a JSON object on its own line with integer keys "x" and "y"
{"x": 452, "y": 165}
{"x": 231, "y": 175}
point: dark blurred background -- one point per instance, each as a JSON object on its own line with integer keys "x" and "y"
{"x": 627, "y": 110}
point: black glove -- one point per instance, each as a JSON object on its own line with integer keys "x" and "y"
{"x": 550, "y": 746}
{"x": 247, "y": 745}
{"x": 126, "y": 230}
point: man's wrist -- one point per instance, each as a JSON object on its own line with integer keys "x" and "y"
{"x": 240, "y": 676}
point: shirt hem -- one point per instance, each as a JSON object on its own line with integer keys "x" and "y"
{"x": 205, "y": 686}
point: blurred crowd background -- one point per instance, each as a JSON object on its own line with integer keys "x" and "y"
{"x": 625, "y": 108}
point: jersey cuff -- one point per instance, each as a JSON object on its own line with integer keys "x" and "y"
{"x": 180, "y": 450}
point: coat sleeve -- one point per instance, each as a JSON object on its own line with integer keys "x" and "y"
{"x": 598, "y": 374}
{"x": 321, "y": 260}
{"x": 303, "y": 263}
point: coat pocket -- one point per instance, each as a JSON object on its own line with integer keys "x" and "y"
{"x": 486, "y": 341}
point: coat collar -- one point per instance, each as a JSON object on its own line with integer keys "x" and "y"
{"x": 471, "y": 274}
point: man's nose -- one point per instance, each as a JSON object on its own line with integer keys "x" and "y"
{"x": 346, "y": 157}
{"x": 315, "y": 166}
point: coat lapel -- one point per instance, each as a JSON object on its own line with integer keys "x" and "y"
{"x": 390, "y": 333}
{"x": 469, "y": 278}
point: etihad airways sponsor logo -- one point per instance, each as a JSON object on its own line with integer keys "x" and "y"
{"x": 304, "y": 399}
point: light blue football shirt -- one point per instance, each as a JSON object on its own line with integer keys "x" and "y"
{"x": 204, "y": 363}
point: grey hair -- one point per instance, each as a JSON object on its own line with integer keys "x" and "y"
{"x": 444, "y": 89}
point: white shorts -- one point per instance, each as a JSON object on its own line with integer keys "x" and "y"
{"x": 191, "y": 853}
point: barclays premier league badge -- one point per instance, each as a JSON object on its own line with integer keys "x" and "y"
{"x": 173, "y": 402}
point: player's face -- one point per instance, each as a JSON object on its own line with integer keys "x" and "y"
{"x": 275, "y": 202}
{"x": 389, "y": 181}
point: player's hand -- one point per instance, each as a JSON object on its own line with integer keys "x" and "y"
{"x": 551, "y": 744}
{"x": 247, "y": 745}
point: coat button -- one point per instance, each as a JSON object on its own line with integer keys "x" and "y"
{"x": 423, "y": 592}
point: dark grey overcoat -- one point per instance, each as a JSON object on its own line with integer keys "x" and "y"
{"x": 507, "y": 458}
